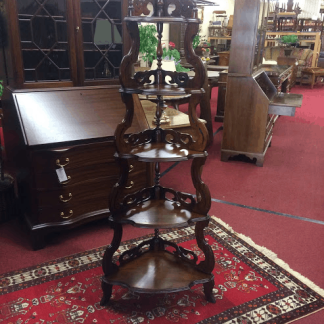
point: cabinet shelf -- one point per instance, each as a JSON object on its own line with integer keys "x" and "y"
{"x": 159, "y": 214}
{"x": 161, "y": 152}
{"x": 174, "y": 273}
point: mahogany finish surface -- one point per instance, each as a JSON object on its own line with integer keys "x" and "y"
{"x": 149, "y": 267}
{"x": 141, "y": 275}
{"x": 159, "y": 214}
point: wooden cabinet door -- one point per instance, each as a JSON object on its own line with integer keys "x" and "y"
{"x": 61, "y": 43}
{"x": 99, "y": 40}
{"x": 42, "y": 49}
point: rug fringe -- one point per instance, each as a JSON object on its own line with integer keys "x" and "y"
{"x": 273, "y": 256}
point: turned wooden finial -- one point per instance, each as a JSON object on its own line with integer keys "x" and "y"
{"x": 130, "y": 8}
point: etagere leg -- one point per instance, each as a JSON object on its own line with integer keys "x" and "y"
{"x": 208, "y": 290}
{"x": 107, "y": 264}
{"x": 107, "y": 291}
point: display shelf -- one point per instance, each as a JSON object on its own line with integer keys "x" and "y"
{"x": 155, "y": 269}
{"x": 161, "y": 90}
{"x": 175, "y": 274}
{"x": 159, "y": 214}
{"x": 169, "y": 19}
{"x": 161, "y": 152}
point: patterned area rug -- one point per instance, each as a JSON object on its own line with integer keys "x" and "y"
{"x": 250, "y": 287}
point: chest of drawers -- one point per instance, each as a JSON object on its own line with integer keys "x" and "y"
{"x": 71, "y": 130}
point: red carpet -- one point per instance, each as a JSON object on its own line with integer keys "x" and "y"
{"x": 292, "y": 178}
{"x": 249, "y": 288}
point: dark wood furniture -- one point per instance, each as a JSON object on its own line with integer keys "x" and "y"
{"x": 61, "y": 43}
{"x": 223, "y": 58}
{"x": 313, "y": 73}
{"x": 250, "y": 95}
{"x": 280, "y": 76}
{"x": 222, "y": 81}
{"x": 288, "y": 60}
{"x": 70, "y": 131}
{"x": 150, "y": 267}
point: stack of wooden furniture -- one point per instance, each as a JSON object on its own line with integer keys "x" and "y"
{"x": 143, "y": 268}
{"x": 252, "y": 100}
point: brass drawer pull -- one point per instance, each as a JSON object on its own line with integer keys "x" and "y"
{"x": 68, "y": 216}
{"x": 65, "y": 200}
{"x": 67, "y": 181}
{"x": 58, "y": 163}
{"x": 131, "y": 185}
{"x": 131, "y": 168}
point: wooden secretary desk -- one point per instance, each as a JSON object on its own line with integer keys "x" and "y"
{"x": 61, "y": 107}
{"x": 252, "y": 101}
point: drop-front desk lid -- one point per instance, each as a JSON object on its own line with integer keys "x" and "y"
{"x": 51, "y": 116}
{"x": 280, "y": 103}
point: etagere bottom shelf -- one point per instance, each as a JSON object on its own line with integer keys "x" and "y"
{"x": 158, "y": 272}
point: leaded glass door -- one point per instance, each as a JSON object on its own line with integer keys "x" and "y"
{"x": 102, "y": 44}
{"x": 45, "y": 42}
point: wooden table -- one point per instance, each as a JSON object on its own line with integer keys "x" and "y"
{"x": 313, "y": 73}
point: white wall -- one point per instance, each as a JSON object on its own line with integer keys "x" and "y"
{"x": 227, "y": 5}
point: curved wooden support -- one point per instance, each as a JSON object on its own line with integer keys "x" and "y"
{"x": 107, "y": 264}
{"x": 126, "y": 78}
{"x": 121, "y": 144}
{"x": 208, "y": 264}
{"x": 198, "y": 126}
{"x": 107, "y": 291}
{"x": 118, "y": 188}
{"x": 200, "y": 73}
{"x": 208, "y": 290}
{"x": 202, "y": 191}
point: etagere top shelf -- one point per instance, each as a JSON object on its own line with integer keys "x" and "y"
{"x": 169, "y": 19}
{"x": 161, "y": 152}
{"x": 162, "y": 90}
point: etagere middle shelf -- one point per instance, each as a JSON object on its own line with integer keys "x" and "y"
{"x": 158, "y": 265}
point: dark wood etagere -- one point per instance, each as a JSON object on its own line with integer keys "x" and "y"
{"x": 150, "y": 267}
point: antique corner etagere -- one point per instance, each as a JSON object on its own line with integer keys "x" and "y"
{"x": 151, "y": 267}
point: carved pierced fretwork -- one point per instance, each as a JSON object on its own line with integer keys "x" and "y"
{"x": 183, "y": 8}
{"x": 140, "y": 7}
{"x": 159, "y": 244}
{"x": 179, "y": 78}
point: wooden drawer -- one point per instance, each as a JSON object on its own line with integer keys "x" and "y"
{"x": 77, "y": 175}
{"x": 78, "y": 193}
{"x": 72, "y": 211}
{"x": 73, "y": 157}
{"x": 86, "y": 198}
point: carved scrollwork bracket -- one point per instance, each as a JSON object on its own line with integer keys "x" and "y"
{"x": 179, "y": 78}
